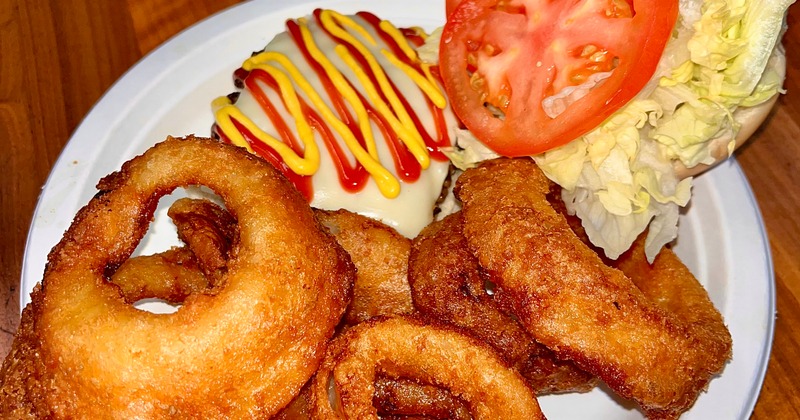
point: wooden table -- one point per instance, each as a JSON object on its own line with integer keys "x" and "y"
{"x": 58, "y": 57}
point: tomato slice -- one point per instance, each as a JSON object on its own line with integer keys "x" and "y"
{"x": 450, "y": 5}
{"x": 500, "y": 59}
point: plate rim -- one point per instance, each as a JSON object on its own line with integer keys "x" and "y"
{"x": 761, "y": 373}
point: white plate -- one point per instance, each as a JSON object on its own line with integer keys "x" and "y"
{"x": 722, "y": 238}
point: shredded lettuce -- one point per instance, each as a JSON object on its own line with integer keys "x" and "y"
{"x": 469, "y": 151}
{"x": 724, "y": 56}
{"x": 429, "y": 51}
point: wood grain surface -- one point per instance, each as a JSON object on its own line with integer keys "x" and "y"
{"x": 57, "y": 57}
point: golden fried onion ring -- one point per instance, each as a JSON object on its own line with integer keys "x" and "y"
{"x": 208, "y": 231}
{"x": 447, "y": 284}
{"x": 170, "y": 276}
{"x": 570, "y": 301}
{"x": 244, "y": 351}
{"x": 407, "y": 347}
{"x": 381, "y": 256}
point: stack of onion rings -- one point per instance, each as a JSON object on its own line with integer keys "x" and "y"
{"x": 447, "y": 285}
{"x": 264, "y": 281}
{"x": 572, "y": 302}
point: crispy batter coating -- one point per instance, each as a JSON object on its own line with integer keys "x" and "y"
{"x": 208, "y": 230}
{"x": 23, "y": 369}
{"x": 299, "y": 408}
{"x": 668, "y": 283}
{"x": 171, "y": 275}
{"x": 573, "y": 303}
{"x": 447, "y": 285}
{"x": 395, "y": 398}
{"x": 379, "y": 253}
{"x": 401, "y": 398}
{"x": 381, "y": 256}
{"x": 244, "y": 351}
{"x": 406, "y": 347}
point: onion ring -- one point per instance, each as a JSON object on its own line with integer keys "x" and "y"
{"x": 208, "y": 231}
{"x": 669, "y": 284}
{"x": 394, "y": 399}
{"x": 570, "y": 301}
{"x": 171, "y": 276}
{"x": 244, "y": 351}
{"x": 447, "y": 285}
{"x": 381, "y": 256}
{"x": 406, "y": 347}
{"x": 666, "y": 282}
{"x": 407, "y": 398}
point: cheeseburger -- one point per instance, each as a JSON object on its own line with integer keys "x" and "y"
{"x": 620, "y": 102}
